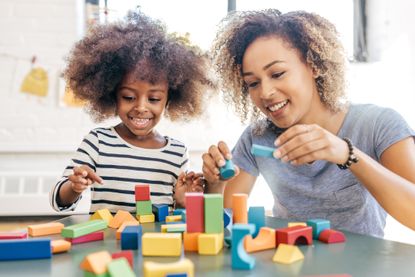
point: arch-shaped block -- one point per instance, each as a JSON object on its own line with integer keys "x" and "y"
{"x": 241, "y": 259}
{"x": 294, "y": 235}
{"x": 264, "y": 240}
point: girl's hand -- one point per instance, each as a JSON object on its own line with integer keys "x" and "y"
{"x": 187, "y": 182}
{"x": 82, "y": 177}
{"x": 303, "y": 144}
{"x": 213, "y": 160}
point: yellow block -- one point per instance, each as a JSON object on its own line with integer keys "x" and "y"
{"x": 291, "y": 224}
{"x": 120, "y": 217}
{"x": 153, "y": 269}
{"x": 102, "y": 214}
{"x": 209, "y": 244}
{"x": 146, "y": 218}
{"x": 96, "y": 262}
{"x": 122, "y": 227}
{"x": 59, "y": 246}
{"x": 44, "y": 229}
{"x": 161, "y": 244}
{"x": 173, "y": 218}
{"x": 287, "y": 254}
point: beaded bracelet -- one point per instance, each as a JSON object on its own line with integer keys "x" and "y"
{"x": 352, "y": 157}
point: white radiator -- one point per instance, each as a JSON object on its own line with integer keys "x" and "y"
{"x": 27, "y": 193}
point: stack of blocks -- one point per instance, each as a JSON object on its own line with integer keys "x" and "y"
{"x": 204, "y": 223}
{"x": 144, "y": 210}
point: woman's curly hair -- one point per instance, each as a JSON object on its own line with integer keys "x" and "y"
{"x": 314, "y": 37}
{"x": 139, "y": 45}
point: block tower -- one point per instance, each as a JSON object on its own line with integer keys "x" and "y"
{"x": 143, "y": 206}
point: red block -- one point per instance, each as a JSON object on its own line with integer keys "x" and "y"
{"x": 331, "y": 236}
{"x": 195, "y": 212}
{"x": 142, "y": 192}
{"x": 128, "y": 254}
{"x": 13, "y": 235}
{"x": 87, "y": 238}
{"x": 294, "y": 235}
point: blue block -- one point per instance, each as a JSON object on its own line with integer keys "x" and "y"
{"x": 262, "y": 151}
{"x": 176, "y": 275}
{"x": 228, "y": 170}
{"x": 318, "y": 226}
{"x": 241, "y": 259}
{"x": 131, "y": 237}
{"x": 160, "y": 211}
{"x": 227, "y": 217}
{"x": 256, "y": 216}
{"x": 25, "y": 249}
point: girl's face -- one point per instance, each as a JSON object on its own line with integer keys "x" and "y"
{"x": 279, "y": 83}
{"x": 140, "y": 106}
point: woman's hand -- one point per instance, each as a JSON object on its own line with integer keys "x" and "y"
{"x": 82, "y": 177}
{"x": 304, "y": 143}
{"x": 187, "y": 182}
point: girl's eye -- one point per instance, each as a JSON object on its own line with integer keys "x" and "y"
{"x": 154, "y": 99}
{"x": 128, "y": 98}
{"x": 277, "y": 75}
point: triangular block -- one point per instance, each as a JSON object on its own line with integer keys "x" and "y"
{"x": 287, "y": 254}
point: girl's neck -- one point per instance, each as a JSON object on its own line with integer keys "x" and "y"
{"x": 152, "y": 140}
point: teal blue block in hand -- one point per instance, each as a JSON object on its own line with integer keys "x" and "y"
{"x": 228, "y": 170}
{"x": 262, "y": 151}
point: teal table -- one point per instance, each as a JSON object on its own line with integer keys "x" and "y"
{"x": 359, "y": 256}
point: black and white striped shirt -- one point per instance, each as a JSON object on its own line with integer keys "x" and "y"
{"x": 122, "y": 166}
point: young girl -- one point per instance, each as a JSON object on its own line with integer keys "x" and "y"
{"x": 351, "y": 164}
{"x": 136, "y": 71}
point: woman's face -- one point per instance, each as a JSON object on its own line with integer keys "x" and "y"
{"x": 279, "y": 83}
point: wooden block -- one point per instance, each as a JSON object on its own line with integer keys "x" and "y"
{"x": 13, "y": 235}
{"x": 147, "y": 218}
{"x": 210, "y": 244}
{"x": 123, "y": 225}
{"x": 291, "y": 224}
{"x": 142, "y": 193}
{"x": 154, "y": 269}
{"x": 131, "y": 237}
{"x": 173, "y": 218}
{"x": 45, "y": 229}
{"x": 195, "y": 212}
{"x": 104, "y": 214}
{"x": 181, "y": 212}
{"x": 239, "y": 208}
{"x": 190, "y": 241}
{"x": 263, "y": 241}
{"x": 240, "y": 259}
{"x": 59, "y": 246}
{"x": 256, "y": 216}
{"x": 318, "y": 226}
{"x": 120, "y": 217}
{"x": 143, "y": 207}
{"x": 213, "y": 213}
{"x": 173, "y": 228}
{"x": 331, "y": 236}
{"x": 25, "y": 249}
{"x": 228, "y": 170}
{"x": 120, "y": 268}
{"x": 127, "y": 254}
{"x": 287, "y": 254}
{"x": 161, "y": 244}
{"x": 160, "y": 211}
{"x": 96, "y": 262}
{"x": 294, "y": 235}
{"x": 87, "y": 238}
{"x": 262, "y": 151}
{"x": 83, "y": 228}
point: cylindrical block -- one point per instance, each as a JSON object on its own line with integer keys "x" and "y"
{"x": 239, "y": 208}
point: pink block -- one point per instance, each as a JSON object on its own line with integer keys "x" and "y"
{"x": 13, "y": 235}
{"x": 87, "y": 238}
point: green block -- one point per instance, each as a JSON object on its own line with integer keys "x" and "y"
{"x": 176, "y": 229}
{"x": 84, "y": 228}
{"x": 120, "y": 268}
{"x": 143, "y": 207}
{"x": 91, "y": 274}
{"x": 213, "y": 213}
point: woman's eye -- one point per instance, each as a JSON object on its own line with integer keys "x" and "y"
{"x": 252, "y": 85}
{"x": 277, "y": 75}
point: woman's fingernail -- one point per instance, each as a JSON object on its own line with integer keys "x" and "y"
{"x": 277, "y": 154}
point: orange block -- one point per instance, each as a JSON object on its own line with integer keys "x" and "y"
{"x": 190, "y": 241}
{"x": 96, "y": 262}
{"x": 123, "y": 225}
{"x": 120, "y": 217}
{"x": 264, "y": 240}
{"x": 239, "y": 208}
{"x": 44, "y": 229}
{"x": 59, "y": 246}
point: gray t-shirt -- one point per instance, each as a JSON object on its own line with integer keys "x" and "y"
{"x": 321, "y": 189}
